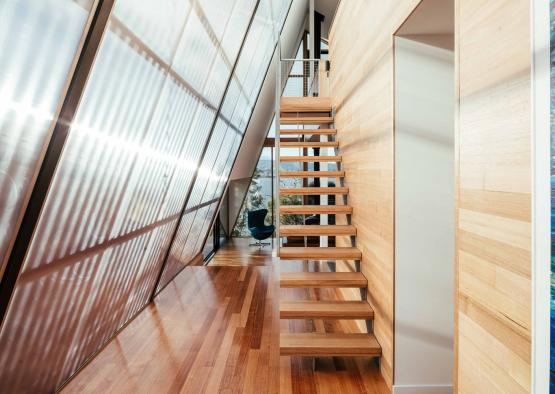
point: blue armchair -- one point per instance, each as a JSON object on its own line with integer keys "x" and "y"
{"x": 258, "y": 229}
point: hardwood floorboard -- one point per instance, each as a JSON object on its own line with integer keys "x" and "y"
{"x": 215, "y": 329}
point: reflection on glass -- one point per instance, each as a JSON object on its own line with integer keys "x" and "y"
{"x": 158, "y": 24}
{"x": 38, "y": 42}
{"x": 226, "y": 138}
{"x": 118, "y": 191}
{"x": 259, "y": 194}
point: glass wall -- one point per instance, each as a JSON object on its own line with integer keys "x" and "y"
{"x": 134, "y": 150}
{"x": 259, "y": 194}
{"x": 39, "y": 42}
{"x": 226, "y": 139}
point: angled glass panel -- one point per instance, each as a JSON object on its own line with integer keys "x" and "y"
{"x": 157, "y": 24}
{"x": 175, "y": 262}
{"x": 38, "y": 44}
{"x": 259, "y": 194}
{"x": 118, "y": 191}
{"x": 237, "y": 108}
{"x": 196, "y": 51}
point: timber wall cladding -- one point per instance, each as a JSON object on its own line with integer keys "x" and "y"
{"x": 494, "y": 231}
{"x": 494, "y": 199}
{"x": 361, "y": 54}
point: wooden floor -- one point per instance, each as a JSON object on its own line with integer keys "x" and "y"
{"x": 216, "y": 329}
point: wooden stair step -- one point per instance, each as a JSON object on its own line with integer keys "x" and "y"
{"x": 322, "y": 280}
{"x": 310, "y": 158}
{"x": 315, "y": 344}
{"x": 316, "y": 230}
{"x": 315, "y": 209}
{"x": 308, "y": 309}
{"x": 305, "y": 104}
{"x": 319, "y": 253}
{"x": 313, "y": 191}
{"x": 309, "y": 144}
{"x": 315, "y": 120}
{"x": 312, "y": 174}
{"x": 308, "y": 131}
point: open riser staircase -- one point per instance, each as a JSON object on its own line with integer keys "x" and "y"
{"x": 313, "y": 129}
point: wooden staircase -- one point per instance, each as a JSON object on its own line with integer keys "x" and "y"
{"x": 313, "y": 118}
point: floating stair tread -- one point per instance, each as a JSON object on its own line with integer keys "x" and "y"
{"x": 310, "y": 158}
{"x": 315, "y": 120}
{"x": 319, "y": 253}
{"x": 301, "y": 309}
{"x": 317, "y": 230}
{"x": 315, "y": 209}
{"x": 328, "y": 345}
{"x": 305, "y": 104}
{"x": 322, "y": 280}
{"x": 312, "y": 174}
{"x": 308, "y": 131}
{"x": 312, "y": 191}
{"x": 309, "y": 144}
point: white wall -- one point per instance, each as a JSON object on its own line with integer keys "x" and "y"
{"x": 541, "y": 204}
{"x": 424, "y": 217}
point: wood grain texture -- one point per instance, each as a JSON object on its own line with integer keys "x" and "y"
{"x": 308, "y": 131}
{"x": 312, "y": 174}
{"x": 308, "y": 309}
{"x": 216, "y": 329}
{"x": 322, "y": 279}
{"x": 319, "y": 344}
{"x": 317, "y": 229}
{"x": 493, "y": 333}
{"x": 311, "y": 191}
{"x": 319, "y": 253}
{"x": 309, "y": 144}
{"x": 493, "y": 176}
{"x": 310, "y": 158}
{"x": 313, "y": 120}
{"x": 315, "y": 209}
{"x": 361, "y": 54}
{"x": 305, "y": 104}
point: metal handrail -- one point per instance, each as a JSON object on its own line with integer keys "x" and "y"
{"x": 276, "y": 150}
{"x": 301, "y": 60}
{"x": 309, "y": 73}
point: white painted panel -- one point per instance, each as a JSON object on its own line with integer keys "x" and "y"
{"x": 424, "y": 216}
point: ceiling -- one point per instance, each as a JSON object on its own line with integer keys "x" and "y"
{"x": 430, "y": 17}
{"x": 326, "y": 8}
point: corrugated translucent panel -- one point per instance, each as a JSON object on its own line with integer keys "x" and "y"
{"x": 237, "y": 106}
{"x": 208, "y": 178}
{"x": 95, "y": 228}
{"x": 225, "y": 141}
{"x": 239, "y": 20}
{"x": 158, "y": 24}
{"x": 205, "y": 173}
{"x": 196, "y": 51}
{"x": 204, "y": 228}
{"x": 213, "y": 192}
{"x": 188, "y": 161}
{"x": 189, "y": 250}
{"x": 118, "y": 191}
{"x": 175, "y": 263}
{"x": 38, "y": 43}
{"x": 231, "y": 97}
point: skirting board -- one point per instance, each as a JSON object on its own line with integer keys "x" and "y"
{"x": 421, "y": 389}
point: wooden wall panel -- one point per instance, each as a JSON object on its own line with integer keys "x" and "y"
{"x": 493, "y": 172}
{"x": 494, "y": 231}
{"x": 361, "y": 54}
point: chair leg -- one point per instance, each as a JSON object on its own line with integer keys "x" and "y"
{"x": 259, "y": 244}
